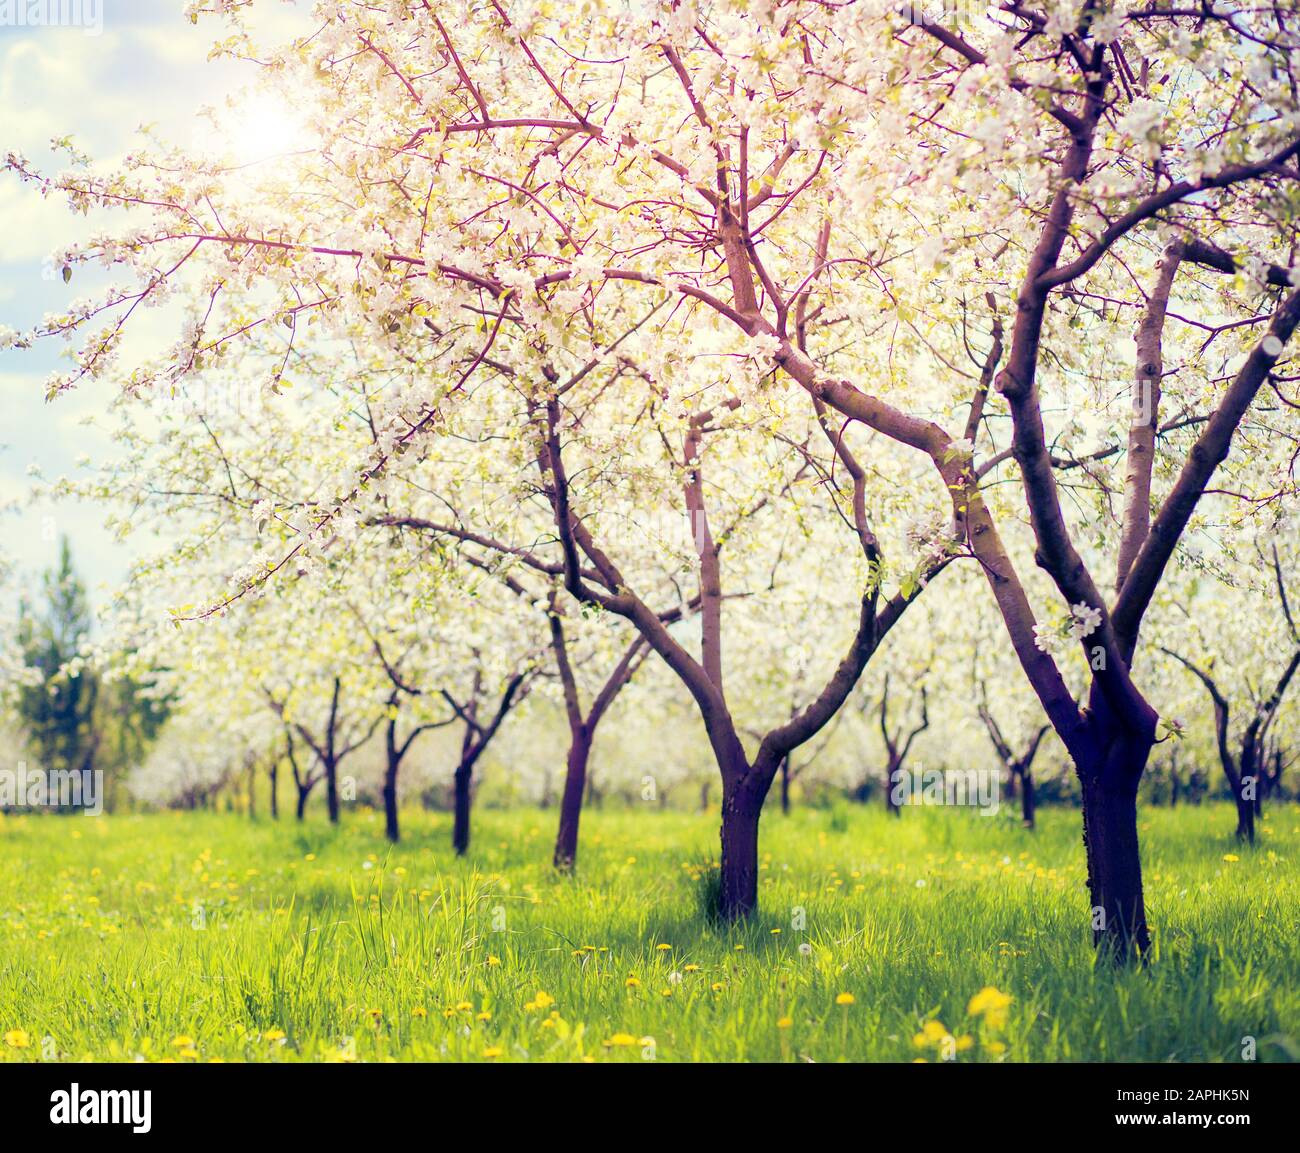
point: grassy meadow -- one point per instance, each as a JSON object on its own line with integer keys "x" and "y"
{"x": 940, "y": 935}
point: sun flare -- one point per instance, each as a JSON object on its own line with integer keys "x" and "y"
{"x": 259, "y": 128}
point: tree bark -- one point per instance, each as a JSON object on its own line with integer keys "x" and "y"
{"x": 1111, "y": 840}
{"x": 303, "y": 794}
{"x": 1027, "y": 797}
{"x": 785, "y": 785}
{"x": 1249, "y": 786}
{"x": 274, "y": 774}
{"x": 1136, "y": 522}
{"x": 1245, "y": 821}
{"x": 332, "y": 790}
{"x": 461, "y": 804}
{"x": 738, "y": 888}
{"x": 329, "y": 755}
{"x": 392, "y": 764}
{"x": 891, "y": 806}
{"x": 391, "y": 829}
{"x": 1237, "y": 778}
{"x": 1245, "y": 813}
{"x": 575, "y": 786}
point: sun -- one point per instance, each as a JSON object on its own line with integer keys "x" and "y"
{"x": 257, "y": 128}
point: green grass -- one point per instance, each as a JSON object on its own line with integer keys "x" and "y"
{"x": 123, "y": 937}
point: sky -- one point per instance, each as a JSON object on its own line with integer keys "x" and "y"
{"x": 145, "y": 63}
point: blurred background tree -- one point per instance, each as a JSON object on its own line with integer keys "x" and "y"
{"x": 74, "y": 719}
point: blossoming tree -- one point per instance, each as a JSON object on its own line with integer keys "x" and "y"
{"x": 945, "y": 234}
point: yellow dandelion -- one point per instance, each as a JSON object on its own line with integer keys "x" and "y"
{"x": 845, "y": 999}
{"x": 784, "y": 1022}
{"x": 419, "y": 1011}
{"x": 620, "y": 1040}
{"x": 492, "y": 1051}
{"x": 992, "y": 1004}
{"x": 931, "y": 1034}
{"x": 18, "y": 1039}
{"x": 273, "y": 1035}
{"x": 493, "y": 962}
{"x": 182, "y": 1042}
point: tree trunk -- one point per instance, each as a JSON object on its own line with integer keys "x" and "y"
{"x": 392, "y": 763}
{"x": 1027, "y": 798}
{"x": 1245, "y": 818}
{"x": 738, "y": 891}
{"x": 275, "y": 790}
{"x": 391, "y": 830}
{"x": 785, "y": 786}
{"x": 332, "y": 790}
{"x": 1245, "y": 789}
{"x": 890, "y": 804}
{"x": 1114, "y": 863}
{"x": 461, "y": 802}
{"x": 575, "y": 786}
{"x": 303, "y": 794}
{"x": 1257, "y": 771}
